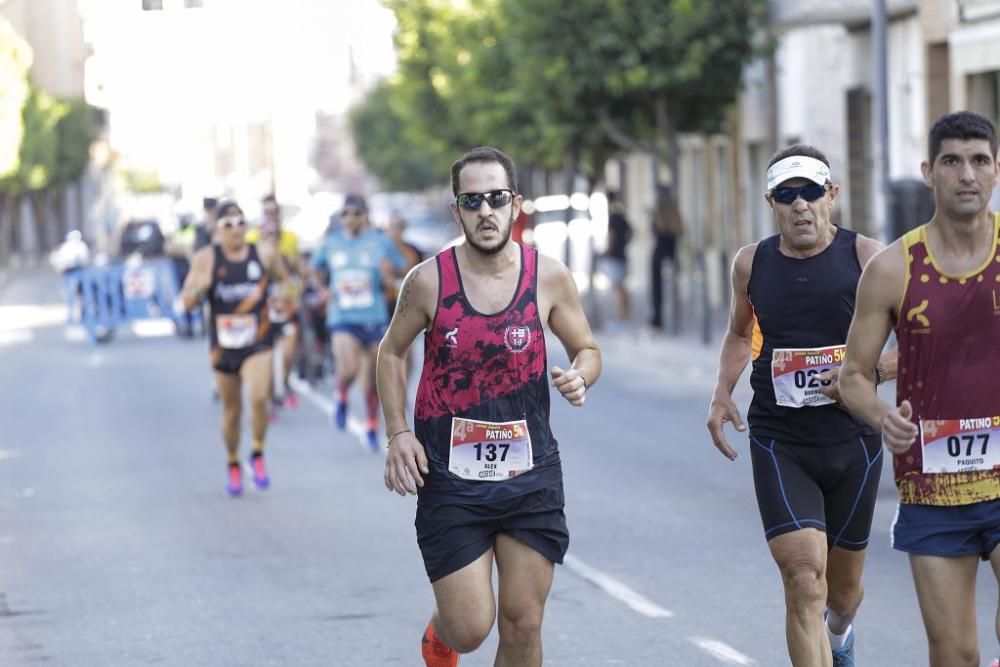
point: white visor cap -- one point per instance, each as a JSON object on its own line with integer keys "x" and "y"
{"x": 797, "y": 166}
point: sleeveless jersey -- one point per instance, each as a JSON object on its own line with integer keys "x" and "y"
{"x": 801, "y": 303}
{"x": 238, "y": 302}
{"x": 484, "y": 367}
{"x": 949, "y": 362}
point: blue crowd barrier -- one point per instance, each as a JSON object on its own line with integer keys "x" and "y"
{"x": 101, "y": 299}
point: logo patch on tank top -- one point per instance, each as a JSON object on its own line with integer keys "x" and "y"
{"x": 916, "y": 314}
{"x": 253, "y": 270}
{"x": 517, "y": 337}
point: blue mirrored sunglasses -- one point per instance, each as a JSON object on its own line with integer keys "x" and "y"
{"x": 472, "y": 201}
{"x": 810, "y": 192}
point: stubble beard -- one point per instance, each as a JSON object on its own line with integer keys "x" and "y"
{"x": 491, "y": 250}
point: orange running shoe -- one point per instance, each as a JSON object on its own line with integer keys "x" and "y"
{"x": 436, "y": 653}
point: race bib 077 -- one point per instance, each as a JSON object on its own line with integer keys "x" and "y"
{"x": 489, "y": 451}
{"x": 960, "y": 445}
{"x": 795, "y": 372}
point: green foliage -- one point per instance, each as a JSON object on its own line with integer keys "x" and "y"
{"x": 384, "y": 144}
{"x": 142, "y": 181}
{"x": 556, "y": 83}
{"x": 15, "y": 59}
{"x": 39, "y": 149}
{"x": 75, "y": 131}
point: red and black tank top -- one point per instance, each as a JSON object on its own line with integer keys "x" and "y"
{"x": 238, "y": 302}
{"x": 488, "y": 367}
{"x": 949, "y": 362}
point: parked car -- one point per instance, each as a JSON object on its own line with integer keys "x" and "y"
{"x": 143, "y": 237}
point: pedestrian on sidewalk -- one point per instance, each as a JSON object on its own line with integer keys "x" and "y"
{"x": 615, "y": 262}
{"x": 668, "y": 227}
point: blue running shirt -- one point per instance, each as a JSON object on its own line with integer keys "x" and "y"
{"x": 357, "y": 291}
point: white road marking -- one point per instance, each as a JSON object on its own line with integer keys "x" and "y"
{"x": 354, "y": 426}
{"x": 9, "y": 454}
{"x": 16, "y": 337}
{"x": 75, "y": 333}
{"x": 616, "y": 589}
{"x": 28, "y": 317}
{"x": 723, "y": 652}
{"x": 154, "y": 327}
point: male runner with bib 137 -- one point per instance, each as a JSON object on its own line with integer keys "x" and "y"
{"x": 482, "y": 460}
{"x": 815, "y": 466}
{"x": 235, "y": 276}
{"x": 939, "y": 288}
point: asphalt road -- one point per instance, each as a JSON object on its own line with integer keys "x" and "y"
{"x": 118, "y": 545}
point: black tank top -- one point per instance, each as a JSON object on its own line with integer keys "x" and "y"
{"x": 801, "y": 303}
{"x": 489, "y": 368}
{"x": 237, "y": 298}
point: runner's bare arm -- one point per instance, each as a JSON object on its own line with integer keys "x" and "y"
{"x": 879, "y": 294}
{"x": 405, "y": 462}
{"x": 277, "y": 271}
{"x": 866, "y": 248}
{"x": 734, "y": 355}
{"x": 568, "y": 322}
{"x": 199, "y": 278}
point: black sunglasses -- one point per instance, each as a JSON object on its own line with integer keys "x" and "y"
{"x": 472, "y": 201}
{"x": 230, "y": 223}
{"x": 810, "y": 192}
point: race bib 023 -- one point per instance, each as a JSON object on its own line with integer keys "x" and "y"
{"x": 489, "y": 451}
{"x": 794, "y": 373}
{"x": 236, "y": 331}
{"x": 960, "y": 445}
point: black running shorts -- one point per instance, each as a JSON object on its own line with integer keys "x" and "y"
{"x": 831, "y": 488}
{"x": 453, "y": 536}
{"x": 231, "y": 361}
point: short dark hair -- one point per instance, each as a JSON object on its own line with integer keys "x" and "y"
{"x": 225, "y": 206}
{"x": 798, "y": 149}
{"x": 269, "y": 199}
{"x": 209, "y": 203}
{"x": 962, "y": 125}
{"x": 484, "y": 154}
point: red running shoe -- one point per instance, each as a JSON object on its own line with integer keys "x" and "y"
{"x": 436, "y": 653}
{"x": 235, "y": 486}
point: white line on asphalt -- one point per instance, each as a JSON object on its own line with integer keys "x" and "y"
{"x": 154, "y": 327}
{"x": 354, "y": 426}
{"x": 616, "y": 589}
{"x": 16, "y": 336}
{"x": 723, "y": 652}
{"x": 75, "y": 333}
{"x": 9, "y": 454}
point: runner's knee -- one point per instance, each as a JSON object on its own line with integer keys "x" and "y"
{"x": 521, "y": 626}
{"x": 465, "y": 632}
{"x": 804, "y": 580}
{"x": 953, "y": 651}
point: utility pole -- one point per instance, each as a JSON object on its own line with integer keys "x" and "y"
{"x": 880, "y": 113}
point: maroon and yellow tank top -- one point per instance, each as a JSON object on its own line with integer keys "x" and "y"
{"x": 949, "y": 361}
